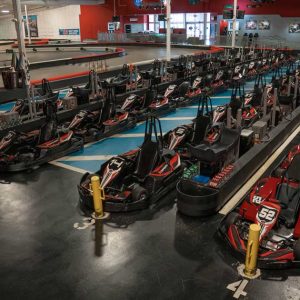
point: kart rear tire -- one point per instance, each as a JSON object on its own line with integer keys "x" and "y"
{"x": 231, "y": 218}
{"x": 139, "y": 193}
{"x": 297, "y": 250}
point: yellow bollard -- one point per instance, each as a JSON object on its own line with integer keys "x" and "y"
{"x": 252, "y": 250}
{"x": 98, "y": 196}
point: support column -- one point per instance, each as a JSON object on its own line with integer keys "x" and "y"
{"x": 168, "y": 42}
{"x": 205, "y": 25}
{"x": 234, "y": 23}
{"x": 27, "y": 24}
{"x": 24, "y": 64}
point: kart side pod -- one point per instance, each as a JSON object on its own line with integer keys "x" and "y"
{"x": 196, "y": 200}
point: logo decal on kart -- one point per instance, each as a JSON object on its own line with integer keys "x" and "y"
{"x": 257, "y": 199}
{"x": 266, "y": 214}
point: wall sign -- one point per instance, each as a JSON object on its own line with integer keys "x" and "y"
{"x": 264, "y": 25}
{"x": 294, "y": 28}
{"x": 69, "y": 31}
{"x": 111, "y": 26}
{"x": 33, "y": 26}
{"x": 251, "y": 25}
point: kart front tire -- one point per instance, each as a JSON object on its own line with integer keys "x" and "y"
{"x": 139, "y": 193}
{"x": 297, "y": 250}
{"x": 232, "y": 218}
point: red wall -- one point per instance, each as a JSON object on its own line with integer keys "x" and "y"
{"x": 94, "y": 18}
{"x": 285, "y": 8}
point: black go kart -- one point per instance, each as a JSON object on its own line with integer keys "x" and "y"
{"x": 22, "y": 151}
{"x": 24, "y": 109}
{"x": 163, "y": 104}
{"x": 186, "y": 94}
{"x": 274, "y": 204}
{"x": 96, "y": 125}
{"x": 127, "y": 79}
{"x": 218, "y": 82}
{"x": 208, "y": 150}
{"x": 136, "y": 179}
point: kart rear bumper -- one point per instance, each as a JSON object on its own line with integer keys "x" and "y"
{"x": 75, "y": 144}
{"x": 109, "y": 131}
{"x": 240, "y": 254}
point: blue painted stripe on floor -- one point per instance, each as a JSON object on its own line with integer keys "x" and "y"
{"x": 166, "y": 126}
{"x": 7, "y": 106}
{"x": 117, "y": 145}
{"x": 111, "y": 146}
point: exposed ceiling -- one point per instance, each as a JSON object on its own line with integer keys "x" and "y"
{"x": 6, "y": 5}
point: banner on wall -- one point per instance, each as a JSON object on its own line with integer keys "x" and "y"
{"x": 294, "y": 28}
{"x": 264, "y": 25}
{"x": 69, "y": 31}
{"x": 33, "y": 26}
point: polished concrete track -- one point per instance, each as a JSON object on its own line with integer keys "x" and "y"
{"x": 5, "y": 58}
{"x": 134, "y": 54}
{"x": 154, "y": 254}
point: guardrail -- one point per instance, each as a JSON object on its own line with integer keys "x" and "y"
{"x": 224, "y": 41}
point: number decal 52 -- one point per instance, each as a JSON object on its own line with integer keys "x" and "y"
{"x": 266, "y": 214}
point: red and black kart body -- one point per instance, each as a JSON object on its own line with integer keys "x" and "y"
{"x": 96, "y": 125}
{"x": 251, "y": 70}
{"x": 209, "y": 154}
{"x": 186, "y": 94}
{"x": 163, "y": 104}
{"x": 219, "y": 82}
{"x": 274, "y": 204}
{"x": 22, "y": 151}
{"x": 135, "y": 105}
{"x": 44, "y": 94}
{"x": 136, "y": 179}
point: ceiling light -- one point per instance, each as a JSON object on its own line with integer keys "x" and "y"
{"x": 5, "y": 11}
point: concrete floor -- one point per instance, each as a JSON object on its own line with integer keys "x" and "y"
{"x": 154, "y": 254}
{"x": 50, "y": 250}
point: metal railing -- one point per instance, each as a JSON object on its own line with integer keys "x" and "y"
{"x": 241, "y": 41}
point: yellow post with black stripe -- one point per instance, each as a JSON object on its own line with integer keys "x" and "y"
{"x": 252, "y": 250}
{"x": 98, "y": 196}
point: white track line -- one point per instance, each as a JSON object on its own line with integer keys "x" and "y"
{"x": 75, "y": 169}
{"x": 86, "y": 157}
{"x": 220, "y": 97}
{"x": 247, "y": 186}
{"x": 195, "y": 106}
{"x": 177, "y": 118}
{"x": 129, "y": 135}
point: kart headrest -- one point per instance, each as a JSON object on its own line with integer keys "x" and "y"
{"x": 293, "y": 172}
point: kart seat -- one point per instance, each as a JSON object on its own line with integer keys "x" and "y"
{"x": 48, "y": 132}
{"x": 183, "y": 88}
{"x": 147, "y": 158}
{"x": 289, "y": 198}
{"x": 293, "y": 169}
{"x": 201, "y": 124}
{"x": 227, "y": 143}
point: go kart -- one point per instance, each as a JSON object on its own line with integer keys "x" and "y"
{"x": 185, "y": 94}
{"x": 163, "y": 104}
{"x": 22, "y": 151}
{"x": 274, "y": 204}
{"x": 251, "y": 70}
{"x": 21, "y": 106}
{"x": 219, "y": 82}
{"x": 136, "y": 179}
{"x": 96, "y": 125}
